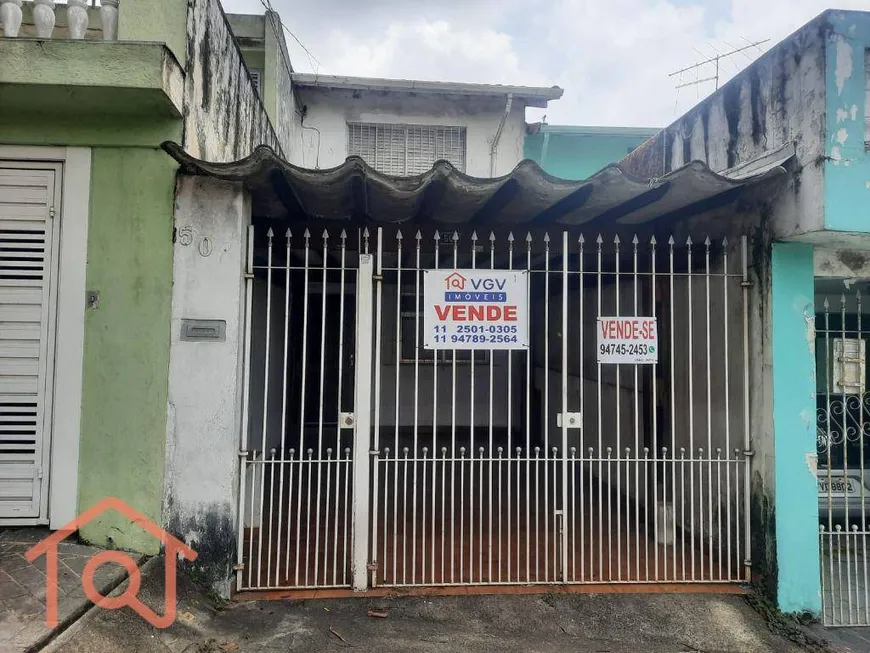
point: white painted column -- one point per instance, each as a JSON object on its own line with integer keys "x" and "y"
{"x": 362, "y": 423}
{"x": 205, "y": 374}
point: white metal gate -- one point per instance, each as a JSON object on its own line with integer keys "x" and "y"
{"x": 28, "y": 286}
{"x": 495, "y": 467}
{"x": 843, "y": 427}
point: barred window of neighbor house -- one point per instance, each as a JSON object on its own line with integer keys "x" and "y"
{"x": 406, "y": 149}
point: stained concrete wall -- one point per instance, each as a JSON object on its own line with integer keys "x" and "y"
{"x": 205, "y": 378}
{"x": 261, "y": 41}
{"x": 778, "y": 99}
{"x": 224, "y": 117}
{"x": 328, "y": 111}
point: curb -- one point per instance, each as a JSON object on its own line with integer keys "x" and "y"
{"x": 74, "y": 623}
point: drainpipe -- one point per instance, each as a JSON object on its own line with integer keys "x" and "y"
{"x": 494, "y": 149}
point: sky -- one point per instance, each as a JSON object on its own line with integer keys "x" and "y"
{"x": 613, "y": 58}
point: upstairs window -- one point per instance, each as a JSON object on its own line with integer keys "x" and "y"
{"x": 405, "y": 150}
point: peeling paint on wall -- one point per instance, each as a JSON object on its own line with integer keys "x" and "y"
{"x": 847, "y": 165}
{"x": 813, "y": 464}
{"x": 779, "y": 99}
{"x": 844, "y": 63}
{"x": 794, "y": 408}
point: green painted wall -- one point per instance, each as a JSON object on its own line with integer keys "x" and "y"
{"x": 126, "y": 358}
{"x": 126, "y": 353}
{"x": 163, "y": 21}
{"x": 576, "y": 154}
{"x": 87, "y": 130}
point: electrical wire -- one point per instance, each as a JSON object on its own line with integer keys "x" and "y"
{"x": 312, "y": 60}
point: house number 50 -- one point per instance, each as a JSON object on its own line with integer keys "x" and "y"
{"x": 186, "y": 237}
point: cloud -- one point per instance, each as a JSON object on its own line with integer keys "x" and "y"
{"x": 612, "y": 57}
{"x": 428, "y": 50}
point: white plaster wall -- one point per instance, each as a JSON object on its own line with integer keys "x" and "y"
{"x": 205, "y": 380}
{"x": 328, "y": 112}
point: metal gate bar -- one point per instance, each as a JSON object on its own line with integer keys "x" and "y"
{"x": 297, "y": 464}
{"x": 842, "y": 428}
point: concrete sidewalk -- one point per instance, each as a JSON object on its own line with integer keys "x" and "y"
{"x": 611, "y": 623}
{"x": 22, "y": 587}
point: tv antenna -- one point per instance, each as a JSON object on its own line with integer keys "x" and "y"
{"x": 712, "y": 60}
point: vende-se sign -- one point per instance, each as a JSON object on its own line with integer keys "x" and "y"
{"x": 628, "y": 340}
{"x": 475, "y": 309}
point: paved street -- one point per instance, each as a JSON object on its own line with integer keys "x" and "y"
{"x": 544, "y": 623}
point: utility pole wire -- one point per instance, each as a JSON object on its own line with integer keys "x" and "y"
{"x": 267, "y": 4}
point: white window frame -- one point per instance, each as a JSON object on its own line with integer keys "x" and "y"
{"x": 72, "y": 211}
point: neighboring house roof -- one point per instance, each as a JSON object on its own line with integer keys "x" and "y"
{"x": 444, "y": 196}
{"x": 583, "y": 130}
{"x": 533, "y": 96}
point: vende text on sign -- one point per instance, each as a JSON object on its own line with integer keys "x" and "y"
{"x": 475, "y": 309}
{"x": 629, "y": 340}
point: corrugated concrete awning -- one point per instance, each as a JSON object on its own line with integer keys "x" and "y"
{"x": 445, "y": 196}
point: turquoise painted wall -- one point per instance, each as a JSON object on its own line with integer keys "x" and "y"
{"x": 847, "y": 164}
{"x": 794, "y": 419}
{"x": 578, "y": 153}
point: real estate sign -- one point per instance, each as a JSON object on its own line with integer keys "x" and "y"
{"x": 475, "y": 309}
{"x": 628, "y": 340}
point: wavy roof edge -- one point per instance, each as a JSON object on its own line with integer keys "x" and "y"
{"x": 445, "y": 195}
